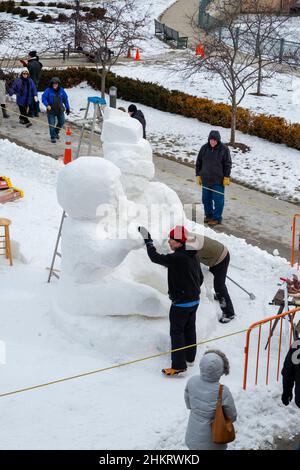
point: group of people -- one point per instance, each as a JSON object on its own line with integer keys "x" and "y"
{"x": 184, "y": 281}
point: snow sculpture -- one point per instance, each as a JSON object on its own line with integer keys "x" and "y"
{"x": 89, "y": 190}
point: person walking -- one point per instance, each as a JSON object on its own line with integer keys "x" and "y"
{"x": 216, "y": 256}
{"x": 184, "y": 280}
{"x": 56, "y": 101}
{"x": 3, "y": 94}
{"x": 291, "y": 375}
{"x": 201, "y": 396}
{"x": 25, "y": 90}
{"x": 213, "y": 170}
{"x": 139, "y": 115}
{"x": 35, "y": 70}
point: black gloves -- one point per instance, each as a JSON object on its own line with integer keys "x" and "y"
{"x": 146, "y": 235}
{"x": 67, "y": 112}
{"x": 287, "y": 398}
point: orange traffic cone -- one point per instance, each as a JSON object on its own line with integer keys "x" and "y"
{"x": 137, "y": 55}
{"x": 68, "y": 149}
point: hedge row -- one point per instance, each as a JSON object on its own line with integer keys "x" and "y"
{"x": 272, "y": 128}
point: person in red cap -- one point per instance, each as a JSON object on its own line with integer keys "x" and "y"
{"x": 184, "y": 280}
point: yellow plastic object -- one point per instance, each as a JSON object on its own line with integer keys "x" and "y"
{"x": 19, "y": 191}
{"x": 8, "y": 182}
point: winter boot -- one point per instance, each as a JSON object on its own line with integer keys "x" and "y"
{"x": 29, "y": 124}
{"x": 226, "y": 319}
{"x": 173, "y": 372}
{"x": 213, "y": 223}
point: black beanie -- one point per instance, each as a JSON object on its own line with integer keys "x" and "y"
{"x": 32, "y": 54}
{"x": 132, "y": 108}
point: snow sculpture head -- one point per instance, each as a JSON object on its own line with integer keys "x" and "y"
{"x": 86, "y": 184}
{"x": 123, "y": 145}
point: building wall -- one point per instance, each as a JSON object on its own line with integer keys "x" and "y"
{"x": 276, "y": 6}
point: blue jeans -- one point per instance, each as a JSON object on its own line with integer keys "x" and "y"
{"x": 55, "y": 127}
{"x": 213, "y": 202}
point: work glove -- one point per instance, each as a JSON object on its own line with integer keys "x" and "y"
{"x": 199, "y": 180}
{"x": 287, "y": 398}
{"x": 36, "y": 99}
{"x": 67, "y": 112}
{"x": 226, "y": 181}
{"x": 146, "y": 235}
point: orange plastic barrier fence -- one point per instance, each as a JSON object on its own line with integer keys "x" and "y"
{"x": 295, "y": 258}
{"x": 270, "y": 322}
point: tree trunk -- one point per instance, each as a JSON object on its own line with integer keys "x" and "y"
{"x": 259, "y": 81}
{"x": 233, "y": 118}
{"x": 103, "y": 83}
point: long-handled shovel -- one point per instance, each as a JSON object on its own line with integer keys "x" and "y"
{"x": 251, "y": 295}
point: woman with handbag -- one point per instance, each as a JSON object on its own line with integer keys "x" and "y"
{"x": 212, "y": 406}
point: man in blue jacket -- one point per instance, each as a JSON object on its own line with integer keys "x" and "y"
{"x": 56, "y": 101}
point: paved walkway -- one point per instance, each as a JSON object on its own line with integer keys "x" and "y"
{"x": 181, "y": 16}
{"x": 37, "y": 137}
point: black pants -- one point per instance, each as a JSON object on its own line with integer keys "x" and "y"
{"x": 220, "y": 272}
{"x": 23, "y": 114}
{"x": 183, "y": 333}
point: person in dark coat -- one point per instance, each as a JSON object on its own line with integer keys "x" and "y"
{"x": 56, "y": 101}
{"x": 35, "y": 70}
{"x": 25, "y": 90}
{"x": 184, "y": 280}
{"x": 137, "y": 114}
{"x": 213, "y": 170}
{"x": 291, "y": 375}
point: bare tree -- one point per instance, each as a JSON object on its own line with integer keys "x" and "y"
{"x": 235, "y": 51}
{"x": 108, "y": 38}
{"x": 265, "y": 34}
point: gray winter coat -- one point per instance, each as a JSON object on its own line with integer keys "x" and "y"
{"x": 2, "y": 92}
{"x": 201, "y": 394}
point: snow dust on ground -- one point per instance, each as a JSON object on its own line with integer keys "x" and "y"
{"x": 268, "y": 167}
{"x": 133, "y": 407}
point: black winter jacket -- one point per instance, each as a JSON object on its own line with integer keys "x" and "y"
{"x": 213, "y": 164}
{"x": 35, "y": 69}
{"x": 184, "y": 273}
{"x": 141, "y": 118}
{"x": 291, "y": 373}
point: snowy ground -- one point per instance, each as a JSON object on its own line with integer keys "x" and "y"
{"x": 181, "y": 137}
{"x": 282, "y": 91}
{"x": 29, "y": 31}
{"x": 133, "y": 407}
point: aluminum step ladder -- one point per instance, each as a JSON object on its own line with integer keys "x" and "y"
{"x": 97, "y": 118}
{"x": 56, "y": 253}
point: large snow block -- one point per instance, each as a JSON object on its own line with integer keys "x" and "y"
{"x": 87, "y": 183}
{"x": 123, "y": 130}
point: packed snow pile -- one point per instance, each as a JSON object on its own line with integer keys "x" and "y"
{"x": 105, "y": 271}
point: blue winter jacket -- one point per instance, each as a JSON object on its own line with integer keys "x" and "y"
{"x": 25, "y": 90}
{"x": 48, "y": 97}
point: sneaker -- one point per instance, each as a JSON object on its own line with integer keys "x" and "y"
{"x": 224, "y": 319}
{"x": 29, "y": 124}
{"x": 53, "y": 141}
{"x": 173, "y": 372}
{"x": 190, "y": 364}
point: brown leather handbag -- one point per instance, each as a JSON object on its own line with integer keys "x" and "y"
{"x": 222, "y": 427}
